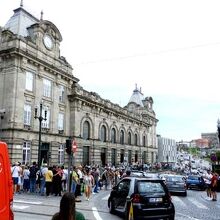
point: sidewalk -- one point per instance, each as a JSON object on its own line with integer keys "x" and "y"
{"x": 205, "y": 197}
{"x": 37, "y": 204}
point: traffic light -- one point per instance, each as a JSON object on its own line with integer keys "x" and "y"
{"x": 68, "y": 146}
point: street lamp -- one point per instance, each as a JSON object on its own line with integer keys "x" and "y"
{"x": 40, "y": 118}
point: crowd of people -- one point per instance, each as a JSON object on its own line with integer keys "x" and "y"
{"x": 53, "y": 180}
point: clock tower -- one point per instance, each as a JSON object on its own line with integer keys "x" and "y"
{"x": 33, "y": 74}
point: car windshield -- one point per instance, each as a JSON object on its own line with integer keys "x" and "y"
{"x": 193, "y": 177}
{"x": 149, "y": 187}
{"x": 175, "y": 178}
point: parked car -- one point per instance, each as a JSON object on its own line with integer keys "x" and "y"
{"x": 151, "y": 175}
{"x": 137, "y": 173}
{"x": 195, "y": 182}
{"x": 149, "y": 197}
{"x": 176, "y": 184}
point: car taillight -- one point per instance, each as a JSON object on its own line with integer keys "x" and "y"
{"x": 136, "y": 198}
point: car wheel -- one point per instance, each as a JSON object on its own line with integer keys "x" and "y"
{"x": 111, "y": 207}
{"x": 171, "y": 218}
{"x": 185, "y": 194}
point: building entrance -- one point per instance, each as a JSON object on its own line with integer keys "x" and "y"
{"x": 86, "y": 155}
{"x": 44, "y": 153}
{"x": 103, "y": 156}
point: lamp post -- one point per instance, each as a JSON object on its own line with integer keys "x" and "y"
{"x": 40, "y": 118}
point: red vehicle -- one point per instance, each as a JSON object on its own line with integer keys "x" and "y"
{"x": 6, "y": 184}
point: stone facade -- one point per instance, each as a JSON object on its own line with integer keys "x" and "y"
{"x": 32, "y": 71}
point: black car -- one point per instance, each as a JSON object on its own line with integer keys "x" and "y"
{"x": 149, "y": 197}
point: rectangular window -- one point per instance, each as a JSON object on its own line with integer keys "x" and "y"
{"x": 29, "y": 81}
{"x": 26, "y": 152}
{"x": 46, "y": 123}
{"x": 27, "y": 114}
{"x": 47, "y": 87}
{"x": 60, "y": 121}
{"x": 61, "y": 154}
{"x": 61, "y": 93}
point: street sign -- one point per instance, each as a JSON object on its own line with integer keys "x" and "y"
{"x": 74, "y": 146}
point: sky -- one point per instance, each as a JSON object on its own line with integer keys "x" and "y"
{"x": 170, "y": 49}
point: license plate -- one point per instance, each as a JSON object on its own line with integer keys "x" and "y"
{"x": 155, "y": 200}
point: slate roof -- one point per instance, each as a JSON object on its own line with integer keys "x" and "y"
{"x": 137, "y": 97}
{"x": 20, "y": 21}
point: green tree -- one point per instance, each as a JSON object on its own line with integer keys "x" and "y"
{"x": 218, "y": 156}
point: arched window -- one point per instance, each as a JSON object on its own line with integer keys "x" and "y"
{"x": 129, "y": 138}
{"x": 113, "y": 135}
{"x": 135, "y": 139}
{"x": 122, "y": 136}
{"x": 144, "y": 141}
{"x": 103, "y": 133}
{"x": 86, "y": 130}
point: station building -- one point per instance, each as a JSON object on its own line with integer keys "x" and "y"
{"x": 38, "y": 87}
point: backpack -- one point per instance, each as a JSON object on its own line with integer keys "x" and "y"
{"x": 40, "y": 174}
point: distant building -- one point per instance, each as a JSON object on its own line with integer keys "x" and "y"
{"x": 32, "y": 71}
{"x": 212, "y": 138}
{"x": 201, "y": 143}
{"x": 167, "y": 149}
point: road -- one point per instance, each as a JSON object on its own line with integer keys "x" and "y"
{"x": 196, "y": 206}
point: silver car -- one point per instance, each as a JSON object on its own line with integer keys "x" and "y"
{"x": 176, "y": 184}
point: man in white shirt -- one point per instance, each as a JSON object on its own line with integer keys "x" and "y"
{"x": 15, "y": 172}
{"x": 208, "y": 178}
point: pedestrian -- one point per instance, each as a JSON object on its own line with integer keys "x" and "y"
{"x": 64, "y": 179}
{"x": 105, "y": 178}
{"x": 26, "y": 184}
{"x": 75, "y": 180}
{"x": 57, "y": 181}
{"x": 89, "y": 183}
{"x": 48, "y": 181}
{"x": 214, "y": 182}
{"x": 95, "y": 175}
{"x": 15, "y": 172}
{"x": 32, "y": 177}
{"x": 78, "y": 185}
{"x": 207, "y": 179}
{"x": 41, "y": 176}
{"x": 67, "y": 209}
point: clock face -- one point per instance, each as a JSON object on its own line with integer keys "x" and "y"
{"x": 48, "y": 42}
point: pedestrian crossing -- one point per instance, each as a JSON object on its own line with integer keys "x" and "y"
{"x": 189, "y": 201}
{"x": 198, "y": 204}
{"x": 24, "y": 204}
